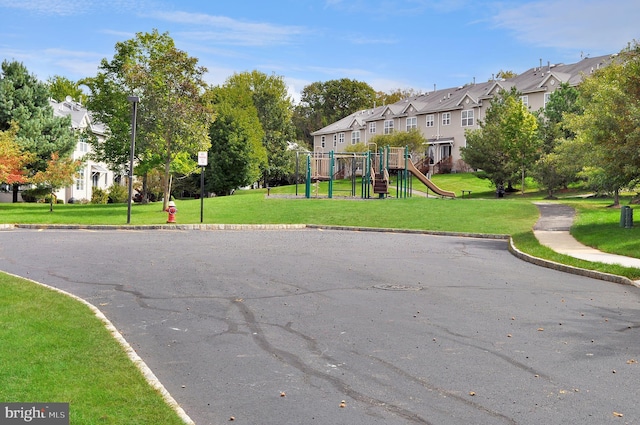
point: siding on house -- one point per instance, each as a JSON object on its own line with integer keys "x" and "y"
{"x": 443, "y": 116}
{"x": 93, "y": 174}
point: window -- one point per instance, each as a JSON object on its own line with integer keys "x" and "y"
{"x": 341, "y": 137}
{"x": 335, "y": 140}
{"x": 83, "y": 146}
{"x": 412, "y": 122}
{"x": 525, "y": 100}
{"x": 446, "y": 118}
{"x": 322, "y": 140}
{"x": 80, "y": 179}
{"x": 547, "y": 96}
{"x": 467, "y": 118}
{"x": 388, "y": 126}
{"x": 430, "y": 120}
{"x": 372, "y": 127}
{"x": 355, "y": 137}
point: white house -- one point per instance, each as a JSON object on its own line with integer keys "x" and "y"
{"x": 92, "y": 174}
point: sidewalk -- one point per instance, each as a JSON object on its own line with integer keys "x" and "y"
{"x": 552, "y": 230}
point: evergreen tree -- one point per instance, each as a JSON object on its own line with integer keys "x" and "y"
{"x": 24, "y": 100}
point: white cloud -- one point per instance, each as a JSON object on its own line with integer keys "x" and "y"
{"x": 574, "y": 24}
{"x": 225, "y": 30}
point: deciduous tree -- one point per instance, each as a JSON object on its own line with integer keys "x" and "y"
{"x": 237, "y": 155}
{"x": 506, "y": 142}
{"x": 59, "y": 173}
{"x": 12, "y": 158}
{"x": 60, "y": 87}
{"x": 323, "y": 103}
{"x": 610, "y": 123}
{"x": 273, "y": 105}
{"x": 173, "y": 114}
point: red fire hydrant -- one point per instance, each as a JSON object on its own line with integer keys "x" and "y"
{"x": 172, "y": 210}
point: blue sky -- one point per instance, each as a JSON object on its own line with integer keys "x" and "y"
{"x": 389, "y": 44}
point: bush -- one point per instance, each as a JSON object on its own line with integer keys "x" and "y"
{"x": 118, "y": 194}
{"x": 35, "y": 195}
{"x": 99, "y": 196}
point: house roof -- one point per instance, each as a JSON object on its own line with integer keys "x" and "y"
{"x": 80, "y": 117}
{"x": 537, "y": 79}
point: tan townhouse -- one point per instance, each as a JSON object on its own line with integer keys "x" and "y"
{"x": 443, "y": 116}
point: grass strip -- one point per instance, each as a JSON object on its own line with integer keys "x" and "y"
{"x": 54, "y": 349}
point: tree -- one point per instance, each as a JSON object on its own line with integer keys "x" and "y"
{"x": 59, "y": 173}
{"x": 12, "y": 158}
{"x": 519, "y": 130}
{"x": 558, "y": 165}
{"x": 412, "y": 139}
{"x": 61, "y": 87}
{"x": 609, "y": 125}
{"x": 502, "y": 74}
{"x": 25, "y": 101}
{"x": 273, "y": 105}
{"x": 173, "y": 114}
{"x": 237, "y": 156}
{"x": 506, "y": 142}
{"x": 323, "y": 103}
{"x": 394, "y": 96}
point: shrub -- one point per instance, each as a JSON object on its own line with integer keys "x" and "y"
{"x": 118, "y": 194}
{"x": 99, "y": 196}
{"x": 35, "y": 195}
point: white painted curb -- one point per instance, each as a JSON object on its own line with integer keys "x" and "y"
{"x": 153, "y": 381}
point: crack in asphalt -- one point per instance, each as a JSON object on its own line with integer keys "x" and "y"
{"x": 423, "y": 382}
{"x": 295, "y": 361}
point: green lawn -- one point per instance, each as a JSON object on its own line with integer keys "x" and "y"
{"x": 54, "y": 349}
{"x": 59, "y": 352}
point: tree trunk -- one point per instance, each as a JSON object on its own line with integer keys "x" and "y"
{"x": 616, "y": 197}
{"x": 145, "y": 189}
{"x": 15, "y": 192}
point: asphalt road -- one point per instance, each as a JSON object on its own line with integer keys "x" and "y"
{"x": 406, "y": 329}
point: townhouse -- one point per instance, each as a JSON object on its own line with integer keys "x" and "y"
{"x": 443, "y": 116}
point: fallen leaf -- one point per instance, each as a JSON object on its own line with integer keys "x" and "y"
{"x": 233, "y": 418}
{"x": 619, "y": 415}
{"x": 472, "y": 393}
{"x": 632, "y": 361}
{"x": 540, "y": 329}
{"x": 508, "y": 335}
{"x": 343, "y": 403}
{"x": 283, "y": 394}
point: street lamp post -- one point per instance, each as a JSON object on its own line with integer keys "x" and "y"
{"x": 134, "y": 103}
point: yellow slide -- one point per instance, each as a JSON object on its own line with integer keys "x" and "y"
{"x": 412, "y": 168}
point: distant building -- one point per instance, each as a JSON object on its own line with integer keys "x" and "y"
{"x": 443, "y": 116}
{"x": 92, "y": 174}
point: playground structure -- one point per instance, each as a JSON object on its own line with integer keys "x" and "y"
{"x": 374, "y": 168}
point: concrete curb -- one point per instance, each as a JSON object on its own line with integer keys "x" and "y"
{"x": 569, "y": 269}
{"x": 159, "y": 227}
{"x": 149, "y": 376}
